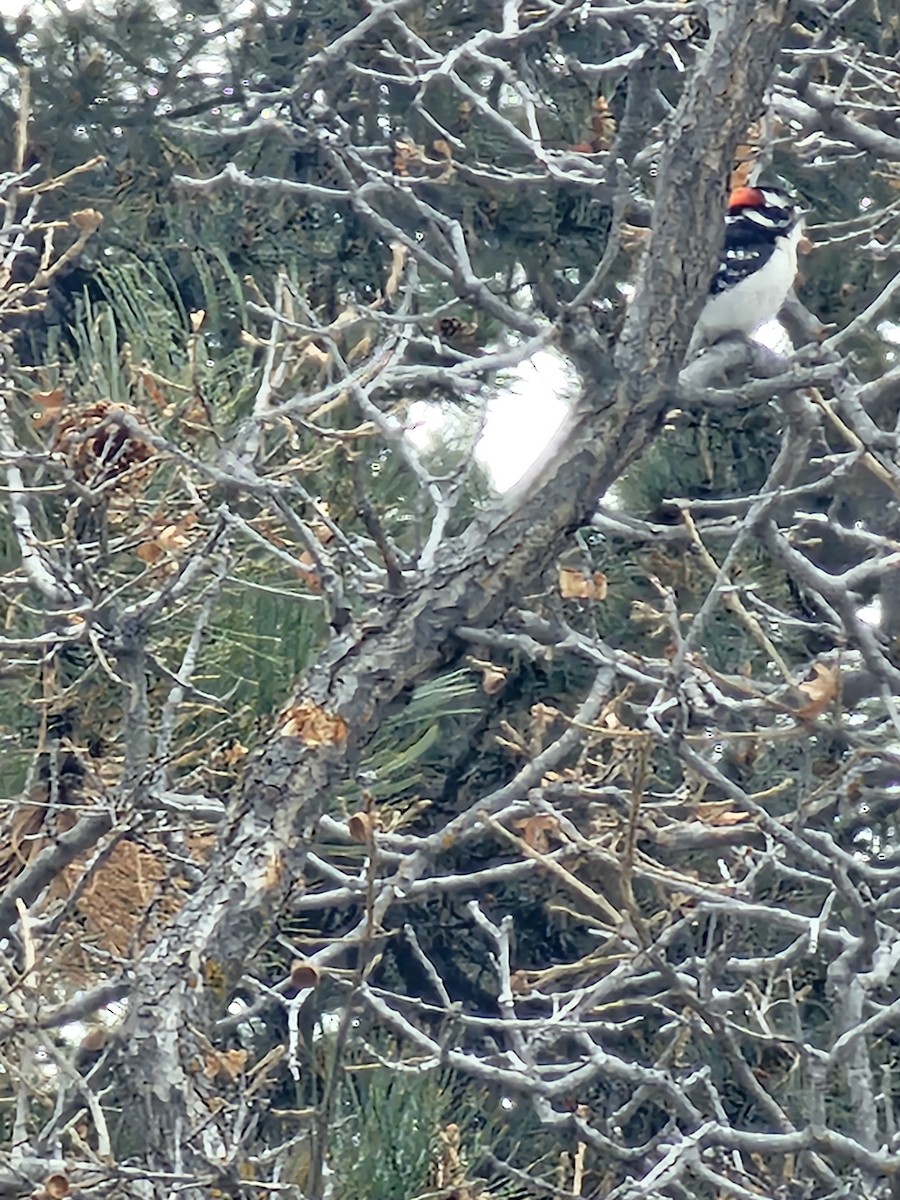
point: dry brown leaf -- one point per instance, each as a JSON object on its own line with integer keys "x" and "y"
{"x": 819, "y": 691}
{"x": 49, "y": 405}
{"x": 314, "y": 726}
{"x": 493, "y": 678}
{"x": 411, "y": 159}
{"x": 227, "y": 1063}
{"x": 361, "y": 826}
{"x": 406, "y": 153}
{"x": 172, "y": 537}
{"x": 716, "y": 812}
{"x": 87, "y": 220}
{"x": 534, "y": 830}
{"x": 315, "y": 355}
{"x": 235, "y": 753}
{"x": 169, "y": 541}
{"x": 609, "y": 720}
{"x": 579, "y": 585}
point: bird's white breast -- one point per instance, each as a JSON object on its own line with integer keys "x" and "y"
{"x": 759, "y": 297}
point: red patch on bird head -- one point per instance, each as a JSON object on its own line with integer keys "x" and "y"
{"x": 746, "y": 197}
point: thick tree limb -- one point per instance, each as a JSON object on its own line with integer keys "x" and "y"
{"x": 312, "y": 755}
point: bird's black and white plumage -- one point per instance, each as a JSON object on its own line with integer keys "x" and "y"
{"x": 758, "y": 265}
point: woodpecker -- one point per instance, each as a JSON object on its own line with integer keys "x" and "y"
{"x": 758, "y": 265}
